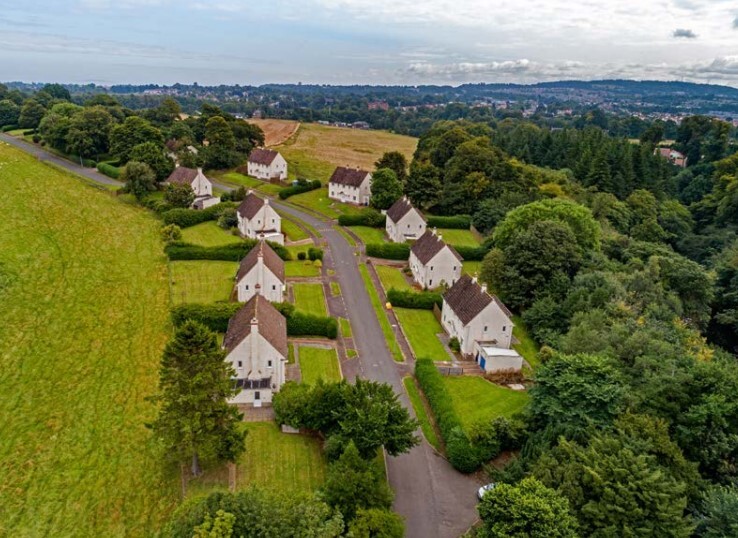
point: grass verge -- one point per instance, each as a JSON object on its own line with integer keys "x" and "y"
{"x": 368, "y": 234}
{"x": 392, "y": 277}
{"x": 420, "y": 328}
{"x": 345, "y": 327}
{"x": 528, "y": 348}
{"x": 384, "y": 323}
{"x": 426, "y": 426}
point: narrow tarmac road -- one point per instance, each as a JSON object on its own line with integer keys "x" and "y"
{"x": 434, "y": 499}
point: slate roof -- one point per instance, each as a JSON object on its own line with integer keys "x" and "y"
{"x": 467, "y": 299}
{"x": 272, "y": 325}
{"x": 250, "y": 206}
{"x": 262, "y": 156}
{"x": 429, "y": 245}
{"x": 351, "y": 177}
{"x": 271, "y": 260}
{"x": 401, "y": 208}
{"x": 182, "y": 176}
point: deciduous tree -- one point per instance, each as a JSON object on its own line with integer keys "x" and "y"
{"x": 386, "y": 188}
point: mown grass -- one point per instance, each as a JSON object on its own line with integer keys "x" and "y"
{"x": 240, "y": 180}
{"x": 310, "y": 298}
{"x": 318, "y": 202}
{"x": 293, "y": 231}
{"x": 335, "y": 289}
{"x": 420, "y": 328}
{"x": 301, "y": 268}
{"x": 421, "y": 413}
{"x": 477, "y": 400}
{"x": 528, "y": 348}
{"x": 368, "y": 234}
{"x": 209, "y": 234}
{"x": 202, "y": 281}
{"x": 464, "y": 238}
{"x": 83, "y": 322}
{"x": 471, "y": 268}
{"x": 389, "y": 335}
{"x": 318, "y": 363}
{"x": 345, "y": 326}
{"x": 392, "y": 277}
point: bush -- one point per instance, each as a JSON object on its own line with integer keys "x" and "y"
{"x": 228, "y": 219}
{"x": 367, "y": 217}
{"x": 7, "y": 128}
{"x": 472, "y": 254}
{"x": 36, "y": 138}
{"x": 303, "y": 324}
{"x": 389, "y": 251}
{"x": 171, "y": 233}
{"x": 184, "y": 218}
{"x": 109, "y": 170}
{"x": 411, "y": 299}
{"x": 233, "y": 252}
{"x": 301, "y": 256}
{"x": 457, "y": 222}
{"x": 315, "y": 253}
{"x": 455, "y": 345}
{"x": 88, "y": 163}
{"x": 214, "y": 316}
{"x": 302, "y": 185}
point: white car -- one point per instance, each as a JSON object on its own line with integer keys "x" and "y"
{"x": 485, "y": 489}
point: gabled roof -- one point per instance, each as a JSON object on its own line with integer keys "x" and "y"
{"x": 467, "y": 299}
{"x": 401, "y": 208}
{"x": 182, "y": 176}
{"x": 429, "y": 245}
{"x": 271, "y": 324}
{"x": 351, "y": 177}
{"x": 271, "y": 260}
{"x": 263, "y": 156}
{"x": 250, "y": 206}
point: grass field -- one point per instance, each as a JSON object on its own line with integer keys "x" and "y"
{"x": 83, "y": 322}
{"x": 202, "y": 281}
{"x": 317, "y": 363}
{"x": 293, "y": 231}
{"x": 316, "y": 150}
{"x": 310, "y": 298}
{"x": 475, "y": 399}
{"x": 392, "y": 277}
{"x": 384, "y": 323}
{"x": 463, "y": 238}
{"x": 301, "y": 268}
{"x": 275, "y": 131}
{"x": 239, "y": 180}
{"x": 416, "y": 400}
{"x": 369, "y": 235}
{"x": 527, "y": 347}
{"x": 345, "y": 327}
{"x": 420, "y": 328}
{"x": 471, "y": 268}
{"x": 209, "y": 234}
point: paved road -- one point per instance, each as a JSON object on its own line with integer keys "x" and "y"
{"x": 435, "y": 500}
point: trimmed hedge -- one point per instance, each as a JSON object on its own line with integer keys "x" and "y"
{"x": 304, "y": 324}
{"x": 109, "y": 170}
{"x": 457, "y": 222}
{"x": 302, "y": 185}
{"x": 471, "y": 254}
{"x": 11, "y": 127}
{"x": 184, "y": 218}
{"x": 464, "y": 456}
{"x": 214, "y": 316}
{"x": 410, "y": 299}
{"x": 388, "y": 251}
{"x": 367, "y": 217}
{"x": 234, "y": 252}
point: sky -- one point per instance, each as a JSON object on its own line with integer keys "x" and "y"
{"x": 253, "y": 42}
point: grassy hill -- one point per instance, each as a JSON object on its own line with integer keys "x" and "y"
{"x": 84, "y": 294}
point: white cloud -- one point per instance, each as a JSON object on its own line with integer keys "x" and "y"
{"x": 684, "y": 33}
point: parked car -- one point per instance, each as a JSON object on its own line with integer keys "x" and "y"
{"x": 485, "y": 489}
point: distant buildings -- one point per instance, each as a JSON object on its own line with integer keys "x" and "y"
{"x": 673, "y": 156}
{"x": 201, "y": 185}
{"x": 433, "y": 262}
{"x": 266, "y": 164}
{"x": 378, "y": 105}
{"x": 404, "y": 222}
{"x": 350, "y": 185}
{"x": 258, "y": 220}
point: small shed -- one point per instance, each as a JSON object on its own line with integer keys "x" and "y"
{"x": 493, "y": 359}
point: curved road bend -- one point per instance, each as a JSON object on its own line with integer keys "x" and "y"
{"x": 435, "y": 500}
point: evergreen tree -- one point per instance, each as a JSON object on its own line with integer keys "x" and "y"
{"x": 386, "y": 188}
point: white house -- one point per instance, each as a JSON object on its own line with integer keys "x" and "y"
{"x": 261, "y": 271}
{"x": 258, "y": 220}
{"x": 266, "y": 164}
{"x": 201, "y": 185}
{"x": 433, "y": 262}
{"x": 475, "y": 317}
{"x": 350, "y": 185}
{"x": 493, "y": 359}
{"x": 256, "y": 346}
{"x": 404, "y": 222}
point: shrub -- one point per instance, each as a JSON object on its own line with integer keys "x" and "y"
{"x": 367, "y": 217}
{"x": 471, "y": 254}
{"x": 89, "y": 163}
{"x": 315, "y": 253}
{"x": 303, "y": 324}
{"x": 184, "y": 218}
{"x": 171, "y": 233}
{"x": 36, "y": 138}
{"x": 178, "y": 195}
{"x": 214, "y": 316}
{"x": 458, "y": 222}
{"x": 302, "y": 185}
{"x": 233, "y": 252}
{"x": 109, "y": 170}
{"x": 7, "y": 128}
{"x": 301, "y": 256}
{"x": 454, "y": 344}
{"x": 389, "y": 251}
{"x": 228, "y": 219}
{"x": 411, "y": 299}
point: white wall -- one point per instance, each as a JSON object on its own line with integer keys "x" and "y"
{"x": 443, "y": 268}
{"x": 254, "y": 354}
{"x": 490, "y": 324}
{"x": 202, "y": 185}
{"x": 278, "y": 169}
{"x": 271, "y": 288}
{"x": 265, "y": 219}
{"x": 411, "y": 226}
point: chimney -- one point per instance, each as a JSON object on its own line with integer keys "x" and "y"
{"x": 250, "y": 191}
{"x": 254, "y": 342}
{"x": 484, "y": 288}
{"x": 474, "y": 279}
{"x": 260, "y": 266}
{"x": 266, "y": 201}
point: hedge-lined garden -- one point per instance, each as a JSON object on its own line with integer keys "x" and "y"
{"x": 367, "y": 217}
{"x": 179, "y": 250}
{"x": 423, "y": 300}
{"x": 185, "y": 218}
{"x": 388, "y": 251}
{"x": 302, "y": 185}
{"x": 458, "y": 222}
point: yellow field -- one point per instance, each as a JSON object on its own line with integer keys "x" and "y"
{"x": 276, "y": 131}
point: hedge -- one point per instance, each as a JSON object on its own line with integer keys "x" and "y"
{"x": 367, "y": 217}
{"x": 464, "y": 456}
{"x": 389, "y": 251}
{"x": 301, "y": 186}
{"x": 7, "y": 128}
{"x": 304, "y": 324}
{"x": 235, "y": 252}
{"x": 458, "y": 222}
{"x": 471, "y": 254}
{"x": 214, "y": 316}
{"x": 184, "y": 218}
{"x": 411, "y": 299}
{"x": 109, "y": 170}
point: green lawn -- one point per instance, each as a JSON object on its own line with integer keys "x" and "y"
{"x": 392, "y": 277}
{"x": 83, "y": 322}
{"x": 290, "y": 354}
{"x": 420, "y": 328}
{"x": 464, "y": 238}
{"x": 475, "y": 399}
{"x": 202, "y": 281}
{"x": 301, "y": 268}
{"x": 527, "y": 346}
{"x": 310, "y": 298}
{"x": 389, "y": 335}
{"x": 234, "y": 178}
{"x": 317, "y": 363}
{"x": 345, "y": 327}
{"x": 335, "y": 289}
{"x": 471, "y": 268}
{"x": 319, "y": 202}
{"x": 209, "y": 234}
{"x": 296, "y": 249}
{"x": 368, "y": 234}
{"x": 420, "y": 412}
{"x": 293, "y": 231}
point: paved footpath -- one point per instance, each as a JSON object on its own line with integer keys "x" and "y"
{"x": 434, "y": 499}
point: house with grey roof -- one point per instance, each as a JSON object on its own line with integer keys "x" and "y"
{"x": 433, "y": 262}
{"x": 475, "y": 317}
{"x": 201, "y": 185}
{"x": 350, "y": 186}
{"x": 257, "y": 219}
{"x": 261, "y": 272}
{"x": 404, "y": 222}
{"x": 256, "y": 346}
{"x": 266, "y": 164}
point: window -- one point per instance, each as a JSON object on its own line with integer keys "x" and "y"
{"x": 431, "y": 268}
{"x": 246, "y": 287}
{"x": 454, "y": 268}
{"x": 274, "y": 287}
{"x": 257, "y": 395}
{"x": 503, "y": 328}
{"x": 485, "y": 328}
{"x": 269, "y": 364}
{"x": 430, "y": 282}
{"x": 240, "y": 364}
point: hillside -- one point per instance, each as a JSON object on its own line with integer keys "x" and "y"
{"x": 84, "y": 319}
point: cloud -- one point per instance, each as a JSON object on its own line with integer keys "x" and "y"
{"x": 723, "y": 65}
{"x": 521, "y": 70}
{"x": 684, "y": 33}
{"x": 735, "y": 23}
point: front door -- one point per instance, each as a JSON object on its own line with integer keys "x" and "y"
{"x": 257, "y": 399}
{"x": 482, "y": 362}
